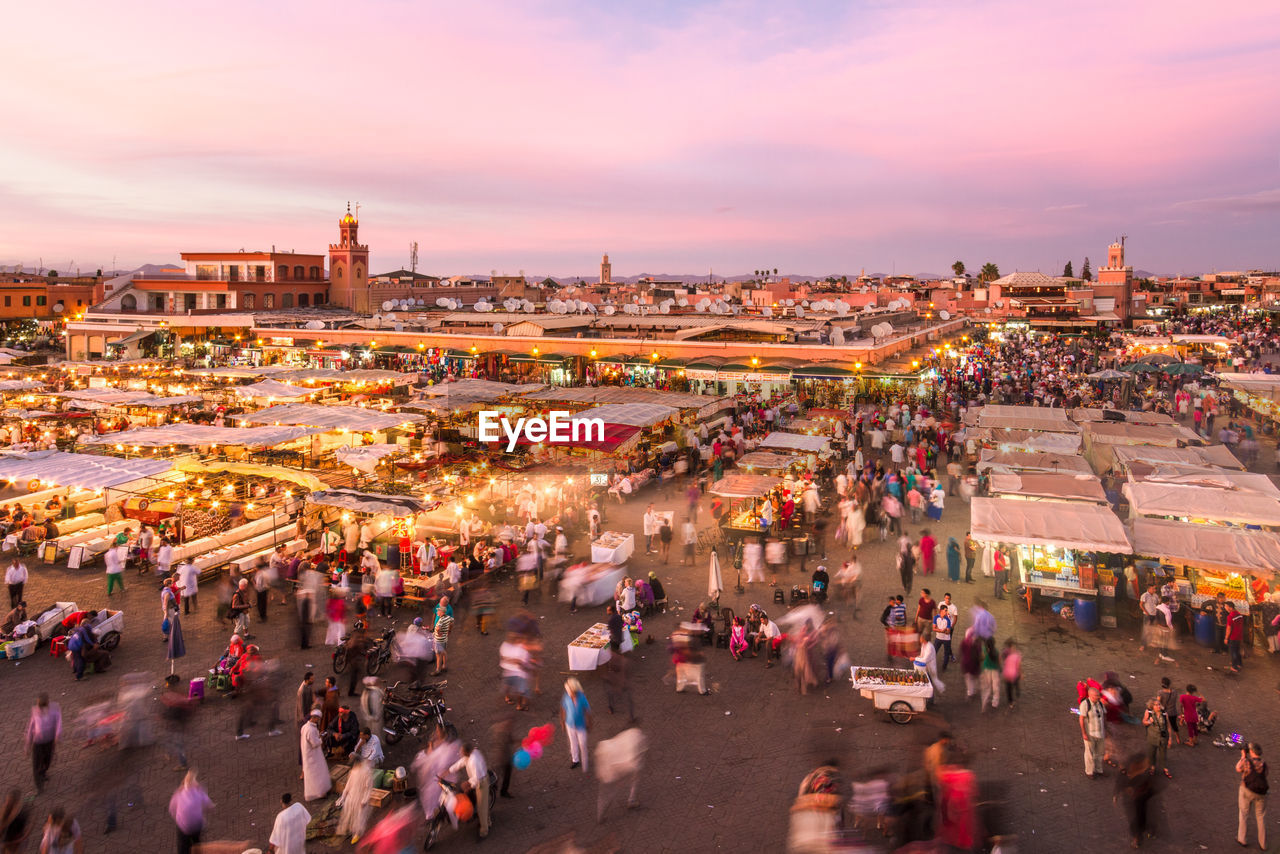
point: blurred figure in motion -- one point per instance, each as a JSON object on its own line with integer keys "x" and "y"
{"x": 817, "y": 813}
{"x": 870, "y": 802}
{"x": 618, "y": 763}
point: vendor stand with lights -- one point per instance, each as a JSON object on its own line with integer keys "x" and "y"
{"x": 746, "y": 494}
{"x": 1055, "y": 549}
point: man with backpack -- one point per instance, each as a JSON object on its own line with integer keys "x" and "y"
{"x": 1093, "y": 728}
{"x": 1253, "y": 793}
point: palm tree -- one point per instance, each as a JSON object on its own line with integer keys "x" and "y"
{"x": 990, "y": 272}
{"x": 958, "y": 268}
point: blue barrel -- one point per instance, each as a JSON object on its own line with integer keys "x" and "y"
{"x": 1086, "y": 611}
{"x": 393, "y": 556}
{"x": 1204, "y": 629}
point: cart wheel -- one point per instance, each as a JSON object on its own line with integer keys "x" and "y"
{"x": 110, "y": 641}
{"x": 900, "y": 712}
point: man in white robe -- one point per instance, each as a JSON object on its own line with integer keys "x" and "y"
{"x": 315, "y": 770}
{"x": 289, "y": 833}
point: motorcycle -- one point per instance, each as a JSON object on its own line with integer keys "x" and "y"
{"x": 450, "y": 796}
{"x": 400, "y": 719}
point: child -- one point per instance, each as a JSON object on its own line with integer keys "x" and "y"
{"x": 1011, "y": 671}
{"x": 738, "y": 639}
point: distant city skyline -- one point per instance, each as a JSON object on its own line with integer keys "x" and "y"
{"x": 820, "y": 138}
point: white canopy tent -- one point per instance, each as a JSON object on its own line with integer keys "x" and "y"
{"x": 1011, "y": 461}
{"x": 273, "y": 390}
{"x": 1234, "y": 506}
{"x": 1207, "y": 546}
{"x": 1204, "y": 476}
{"x": 1008, "y": 439}
{"x": 768, "y": 460}
{"x": 1062, "y": 524}
{"x": 354, "y": 418}
{"x": 82, "y": 471}
{"x": 1068, "y": 486}
{"x": 795, "y": 442}
{"x": 1120, "y": 456}
{"x": 744, "y": 486}
{"x": 628, "y": 414}
{"x": 371, "y": 503}
{"x": 364, "y": 458}
{"x": 202, "y": 434}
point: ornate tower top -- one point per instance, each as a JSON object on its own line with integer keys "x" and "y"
{"x": 348, "y": 227}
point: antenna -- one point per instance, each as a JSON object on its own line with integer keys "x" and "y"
{"x": 413, "y": 257}
{"x": 357, "y": 211}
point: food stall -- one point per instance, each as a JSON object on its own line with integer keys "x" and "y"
{"x": 995, "y": 460}
{"x": 1206, "y": 505}
{"x": 900, "y": 693}
{"x": 1037, "y": 486}
{"x": 746, "y": 494}
{"x": 613, "y": 547}
{"x": 1055, "y": 547}
{"x": 771, "y": 463}
{"x": 590, "y": 649}
{"x": 794, "y": 442}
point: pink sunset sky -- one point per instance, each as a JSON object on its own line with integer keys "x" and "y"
{"x": 815, "y": 137}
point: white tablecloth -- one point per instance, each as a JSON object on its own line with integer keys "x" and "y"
{"x": 586, "y": 658}
{"x": 617, "y": 554}
{"x": 595, "y": 592}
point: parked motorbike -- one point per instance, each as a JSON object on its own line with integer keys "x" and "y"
{"x": 400, "y": 719}
{"x": 452, "y": 796}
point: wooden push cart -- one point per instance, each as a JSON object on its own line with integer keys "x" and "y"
{"x": 900, "y": 693}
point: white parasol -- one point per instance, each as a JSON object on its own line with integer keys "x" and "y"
{"x": 714, "y": 583}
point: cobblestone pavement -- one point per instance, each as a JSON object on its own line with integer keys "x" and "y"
{"x": 722, "y": 769}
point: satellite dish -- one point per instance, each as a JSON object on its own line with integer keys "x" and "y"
{"x": 442, "y": 302}
{"x": 768, "y": 311}
{"x": 944, "y": 314}
{"x": 799, "y": 311}
{"x": 483, "y": 307}
{"x": 399, "y": 327}
{"x": 837, "y": 335}
{"x": 805, "y": 303}
{"x": 497, "y": 329}
{"x": 682, "y": 302}
{"x": 842, "y": 307}
{"x": 311, "y": 324}
{"x": 391, "y": 315}
{"x": 404, "y": 303}
{"x": 609, "y": 310}
{"x": 386, "y": 306}
{"x": 528, "y": 308}
{"x": 589, "y": 308}
{"x": 57, "y": 308}
{"x": 421, "y": 301}
{"x": 664, "y": 309}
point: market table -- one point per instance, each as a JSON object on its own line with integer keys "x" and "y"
{"x": 591, "y": 648}
{"x": 612, "y": 547}
{"x": 593, "y": 585}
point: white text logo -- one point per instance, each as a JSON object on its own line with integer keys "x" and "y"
{"x": 559, "y": 428}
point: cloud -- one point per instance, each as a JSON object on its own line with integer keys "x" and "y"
{"x": 1056, "y": 208}
{"x": 1263, "y": 201}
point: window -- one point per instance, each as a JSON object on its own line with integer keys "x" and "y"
{"x": 297, "y": 272}
{"x": 315, "y": 274}
{"x": 8, "y": 301}
{"x": 286, "y": 301}
{"x": 303, "y": 300}
{"x": 222, "y": 300}
{"x": 319, "y": 300}
{"x": 41, "y": 299}
{"x": 189, "y": 302}
{"x": 249, "y": 301}
{"x": 128, "y": 303}
{"x": 269, "y": 301}
{"x": 282, "y": 272}
{"x": 26, "y": 300}
{"x": 259, "y": 273}
{"x": 79, "y": 302}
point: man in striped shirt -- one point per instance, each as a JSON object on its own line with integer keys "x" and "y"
{"x": 444, "y": 624}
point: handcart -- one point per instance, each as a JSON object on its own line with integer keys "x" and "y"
{"x": 901, "y": 693}
{"x": 107, "y": 627}
{"x": 49, "y": 623}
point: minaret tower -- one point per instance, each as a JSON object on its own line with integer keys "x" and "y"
{"x": 349, "y": 267}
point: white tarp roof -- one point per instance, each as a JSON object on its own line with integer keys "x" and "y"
{"x": 103, "y": 397}
{"x": 1208, "y": 546}
{"x": 273, "y": 389}
{"x": 201, "y": 434}
{"x": 368, "y": 502}
{"x": 1083, "y": 416}
{"x": 1064, "y": 524}
{"x": 1209, "y": 455}
{"x": 1007, "y": 461}
{"x": 1039, "y": 484}
{"x": 364, "y": 458}
{"x": 795, "y": 442}
{"x": 478, "y": 391}
{"x": 1204, "y": 476}
{"x": 1009, "y": 439}
{"x": 330, "y": 417}
{"x": 744, "y": 485}
{"x": 767, "y": 460}
{"x": 377, "y": 376}
{"x": 81, "y": 471}
{"x": 20, "y": 385}
{"x": 1022, "y": 418}
{"x": 1160, "y": 435}
{"x": 1237, "y": 506}
{"x": 629, "y": 414}
{"x": 615, "y": 394}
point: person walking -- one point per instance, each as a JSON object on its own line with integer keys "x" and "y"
{"x": 575, "y": 714}
{"x": 303, "y": 704}
{"x": 289, "y": 832}
{"x": 1252, "y": 796}
{"x": 315, "y": 770}
{"x": 970, "y": 556}
{"x": 1093, "y": 729}
{"x": 1235, "y": 636}
{"x": 1159, "y": 739}
{"x": 477, "y": 780}
{"x": 953, "y": 560}
{"x": 188, "y": 580}
{"x": 239, "y": 610}
{"x": 44, "y": 728}
{"x": 1011, "y": 671}
{"x": 113, "y": 560}
{"x": 187, "y": 808}
{"x": 16, "y": 578}
{"x": 650, "y": 528}
{"x": 989, "y": 679}
{"x": 1135, "y": 789}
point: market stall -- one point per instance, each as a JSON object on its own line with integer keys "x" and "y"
{"x": 590, "y": 649}
{"x": 612, "y": 547}
{"x": 1238, "y": 507}
{"x": 795, "y": 442}
{"x": 770, "y": 463}
{"x": 997, "y": 461}
{"x": 1031, "y": 485}
{"x": 1055, "y": 546}
{"x": 747, "y": 494}
{"x": 1117, "y": 458}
